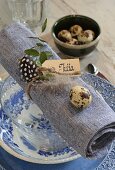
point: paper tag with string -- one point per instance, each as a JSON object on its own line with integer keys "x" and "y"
{"x": 64, "y": 66}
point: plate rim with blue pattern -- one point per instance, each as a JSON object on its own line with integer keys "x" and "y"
{"x": 94, "y": 81}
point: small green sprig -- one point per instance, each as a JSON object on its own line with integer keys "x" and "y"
{"x": 36, "y": 50}
{"x": 32, "y": 52}
{"x": 44, "y": 25}
{"x": 41, "y": 56}
{"x": 43, "y": 29}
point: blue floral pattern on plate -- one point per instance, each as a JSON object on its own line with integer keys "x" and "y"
{"x": 15, "y": 105}
{"x": 107, "y": 91}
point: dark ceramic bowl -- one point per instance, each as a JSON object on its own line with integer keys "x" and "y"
{"x": 86, "y": 23}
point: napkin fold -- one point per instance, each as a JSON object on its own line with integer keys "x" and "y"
{"x": 88, "y": 131}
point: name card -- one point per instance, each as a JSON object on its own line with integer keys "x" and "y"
{"x": 64, "y": 66}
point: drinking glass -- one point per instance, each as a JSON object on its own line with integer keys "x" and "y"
{"x": 29, "y": 12}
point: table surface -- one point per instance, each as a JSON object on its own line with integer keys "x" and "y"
{"x": 102, "y": 11}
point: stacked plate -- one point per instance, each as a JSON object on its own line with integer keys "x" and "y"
{"x": 27, "y": 134}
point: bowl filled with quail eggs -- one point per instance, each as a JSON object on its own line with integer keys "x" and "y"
{"x": 76, "y": 35}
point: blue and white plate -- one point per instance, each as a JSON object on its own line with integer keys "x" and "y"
{"x": 15, "y": 142}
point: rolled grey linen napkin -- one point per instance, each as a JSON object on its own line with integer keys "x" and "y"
{"x": 88, "y": 131}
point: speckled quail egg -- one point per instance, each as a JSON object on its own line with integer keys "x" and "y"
{"x": 64, "y": 35}
{"x": 73, "y": 41}
{"x": 75, "y": 30}
{"x": 80, "y": 97}
{"x": 86, "y": 36}
{"x": 90, "y": 32}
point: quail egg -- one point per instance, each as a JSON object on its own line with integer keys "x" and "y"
{"x": 73, "y": 41}
{"x": 86, "y": 36}
{"x": 75, "y": 30}
{"x": 64, "y": 35}
{"x": 80, "y": 97}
